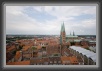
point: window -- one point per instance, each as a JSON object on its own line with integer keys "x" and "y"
{"x": 54, "y": 64}
{"x": 59, "y": 61}
{"x": 50, "y": 61}
{"x": 37, "y": 63}
{"x": 55, "y": 61}
{"x": 68, "y": 61}
{"x": 64, "y": 62}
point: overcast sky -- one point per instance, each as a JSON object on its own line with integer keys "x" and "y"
{"x": 47, "y": 20}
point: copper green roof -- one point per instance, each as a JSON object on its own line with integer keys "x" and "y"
{"x": 71, "y": 36}
{"x": 77, "y": 40}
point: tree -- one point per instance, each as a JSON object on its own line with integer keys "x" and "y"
{"x": 87, "y": 48}
{"x": 67, "y": 46}
{"x": 20, "y": 47}
{"x": 44, "y": 48}
{"x": 72, "y": 43}
{"x": 34, "y": 48}
{"x": 14, "y": 52}
{"x": 55, "y": 54}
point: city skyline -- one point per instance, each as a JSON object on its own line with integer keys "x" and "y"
{"x": 47, "y": 20}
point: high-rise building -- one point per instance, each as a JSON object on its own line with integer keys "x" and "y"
{"x": 62, "y": 34}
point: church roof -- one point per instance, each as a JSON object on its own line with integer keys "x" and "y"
{"x": 71, "y": 36}
{"x": 77, "y": 40}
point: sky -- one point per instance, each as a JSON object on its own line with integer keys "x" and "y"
{"x": 47, "y": 20}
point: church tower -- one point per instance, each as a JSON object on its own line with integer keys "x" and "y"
{"x": 73, "y": 33}
{"x": 62, "y": 34}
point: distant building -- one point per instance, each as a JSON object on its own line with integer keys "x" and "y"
{"x": 92, "y": 43}
{"x": 71, "y": 38}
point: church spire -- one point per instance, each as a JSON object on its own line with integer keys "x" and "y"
{"x": 62, "y": 28}
{"x": 62, "y": 34}
{"x": 70, "y": 33}
{"x": 73, "y": 33}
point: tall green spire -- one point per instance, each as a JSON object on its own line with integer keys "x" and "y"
{"x": 62, "y": 34}
{"x": 62, "y": 28}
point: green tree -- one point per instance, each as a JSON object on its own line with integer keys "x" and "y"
{"x": 87, "y": 48}
{"x": 34, "y": 48}
{"x": 14, "y": 52}
{"x": 20, "y": 47}
{"x": 55, "y": 54}
{"x": 72, "y": 43}
{"x": 67, "y": 46}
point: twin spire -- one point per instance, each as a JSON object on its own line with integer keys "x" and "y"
{"x": 63, "y": 34}
{"x": 73, "y": 33}
{"x": 63, "y": 29}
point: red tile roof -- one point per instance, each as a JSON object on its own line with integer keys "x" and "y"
{"x": 11, "y": 48}
{"x": 19, "y": 63}
{"x": 72, "y": 59}
{"x": 18, "y": 55}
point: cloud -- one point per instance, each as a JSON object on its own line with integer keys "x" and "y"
{"x": 48, "y": 19}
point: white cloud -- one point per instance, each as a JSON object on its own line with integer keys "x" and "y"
{"x": 18, "y": 21}
{"x": 15, "y": 10}
{"x": 67, "y": 11}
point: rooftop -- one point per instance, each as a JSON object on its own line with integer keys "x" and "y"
{"x": 72, "y": 59}
{"x": 19, "y": 63}
{"x": 71, "y": 36}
